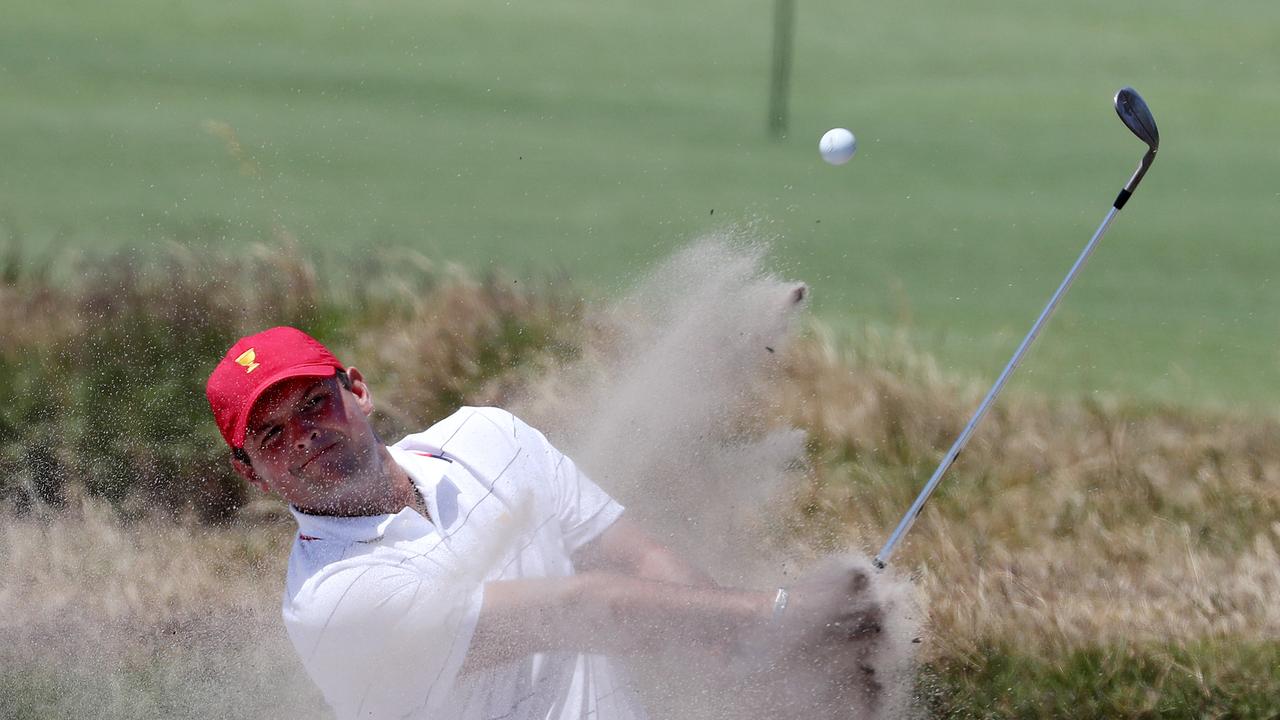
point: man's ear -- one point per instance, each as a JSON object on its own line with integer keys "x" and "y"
{"x": 360, "y": 390}
{"x": 245, "y": 470}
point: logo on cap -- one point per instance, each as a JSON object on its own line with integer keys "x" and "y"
{"x": 246, "y": 360}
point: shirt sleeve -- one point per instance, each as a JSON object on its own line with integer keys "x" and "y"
{"x": 582, "y": 507}
{"x": 383, "y": 638}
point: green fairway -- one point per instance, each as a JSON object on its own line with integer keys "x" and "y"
{"x": 595, "y": 137}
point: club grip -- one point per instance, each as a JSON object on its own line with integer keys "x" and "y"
{"x": 1122, "y": 198}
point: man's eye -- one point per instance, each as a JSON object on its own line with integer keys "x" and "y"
{"x": 271, "y": 435}
{"x": 315, "y": 402}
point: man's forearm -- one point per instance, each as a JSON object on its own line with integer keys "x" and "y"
{"x": 610, "y": 614}
{"x": 632, "y": 615}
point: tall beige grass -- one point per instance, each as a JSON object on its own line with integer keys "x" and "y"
{"x": 1065, "y": 524}
{"x": 84, "y": 563}
{"x": 157, "y": 618}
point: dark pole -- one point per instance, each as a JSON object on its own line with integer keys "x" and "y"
{"x": 784, "y": 21}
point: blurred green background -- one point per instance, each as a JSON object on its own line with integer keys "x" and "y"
{"x": 594, "y": 137}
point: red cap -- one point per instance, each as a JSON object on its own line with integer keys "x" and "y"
{"x": 254, "y": 364}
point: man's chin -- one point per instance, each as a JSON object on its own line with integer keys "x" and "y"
{"x": 331, "y": 469}
{"x": 342, "y": 495}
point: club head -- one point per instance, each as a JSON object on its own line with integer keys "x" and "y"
{"x": 1135, "y": 114}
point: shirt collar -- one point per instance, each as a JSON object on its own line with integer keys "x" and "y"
{"x": 363, "y": 528}
{"x": 368, "y": 528}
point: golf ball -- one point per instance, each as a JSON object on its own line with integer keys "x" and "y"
{"x": 837, "y": 146}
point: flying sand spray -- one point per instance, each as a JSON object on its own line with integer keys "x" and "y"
{"x": 1135, "y": 114}
{"x": 669, "y": 406}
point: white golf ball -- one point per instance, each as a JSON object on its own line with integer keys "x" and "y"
{"x": 837, "y": 146}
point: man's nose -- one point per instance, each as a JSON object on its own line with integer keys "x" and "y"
{"x": 304, "y": 435}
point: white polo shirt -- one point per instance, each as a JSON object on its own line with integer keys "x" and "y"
{"x": 381, "y": 609}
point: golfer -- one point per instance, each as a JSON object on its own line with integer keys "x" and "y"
{"x": 471, "y": 571}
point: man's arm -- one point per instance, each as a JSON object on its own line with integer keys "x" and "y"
{"x": 833, "y": 620}
{"x": 626, "y": 548}
{"x": 609, "y": 614}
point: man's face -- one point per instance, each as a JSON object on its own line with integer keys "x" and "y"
{"x": 309, "y": 441}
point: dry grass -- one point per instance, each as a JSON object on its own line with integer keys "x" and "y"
{"x": 1074, "y": 540}
{"x": 1065, "y": 527}
{"x": 84, "y": 563}
{"x": 157, "y": 618}
{"x": 461, "y": 340}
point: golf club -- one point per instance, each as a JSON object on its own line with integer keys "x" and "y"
{"x": 1135, "y": 114}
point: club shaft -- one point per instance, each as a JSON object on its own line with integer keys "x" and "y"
{"x": 882, "y": 558}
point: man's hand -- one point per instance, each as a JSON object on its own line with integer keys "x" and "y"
{"x": 833, "y": 607}
{"x": 820, "y": 655}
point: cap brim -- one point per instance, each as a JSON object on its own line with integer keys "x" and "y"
{"x": 242, "y": 422}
